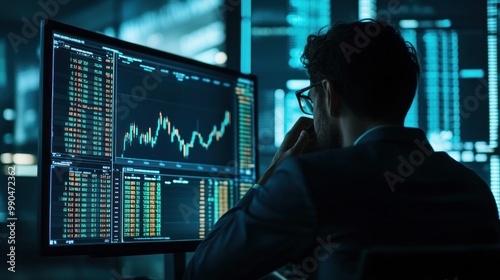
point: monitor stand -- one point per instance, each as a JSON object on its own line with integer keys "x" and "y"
{"x": 179, "y": 265}
{"x": 179, "y": 269}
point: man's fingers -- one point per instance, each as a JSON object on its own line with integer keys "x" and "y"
{"x": 301, "y": 143}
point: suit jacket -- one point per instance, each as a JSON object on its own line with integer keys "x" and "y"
{"x": 320, "y": 210}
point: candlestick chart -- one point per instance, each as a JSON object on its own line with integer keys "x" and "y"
{"x": 169, "y": 136}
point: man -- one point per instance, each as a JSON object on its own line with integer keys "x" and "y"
{"x": 371, "y": 182}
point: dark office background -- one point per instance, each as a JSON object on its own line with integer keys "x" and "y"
{"x": 456, "y": 41}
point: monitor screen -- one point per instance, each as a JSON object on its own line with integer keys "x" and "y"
{"x": 141, "y": 151}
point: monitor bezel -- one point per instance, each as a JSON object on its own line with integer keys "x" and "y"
{"x": 47, "y": 28}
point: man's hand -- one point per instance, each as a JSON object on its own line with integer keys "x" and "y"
{"x": 296, "y": 141}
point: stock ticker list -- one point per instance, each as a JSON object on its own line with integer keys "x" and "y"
{"x": 193, "y": 204}
{"x": 84, "y": 205}
{"x": 142, "y": 205}
{"x": 245, "y": 158}
{"x": 82, "y": 110}
{"x": 83, "y": 105}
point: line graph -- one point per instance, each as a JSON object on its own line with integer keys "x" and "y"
{"x": 150, "y": 136}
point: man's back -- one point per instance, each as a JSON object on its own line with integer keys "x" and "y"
{"x": 391, "y": 188}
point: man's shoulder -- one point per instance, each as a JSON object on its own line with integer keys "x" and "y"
{"x": 342, "y": 156}
{"x": 373, "y": 161}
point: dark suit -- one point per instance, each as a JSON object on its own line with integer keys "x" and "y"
{"x": 320, "y": 210}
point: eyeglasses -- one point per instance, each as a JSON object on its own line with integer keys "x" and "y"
{"x": 305, "y": 101}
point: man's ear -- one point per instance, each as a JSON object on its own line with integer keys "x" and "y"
{"x": 332, "y": 98}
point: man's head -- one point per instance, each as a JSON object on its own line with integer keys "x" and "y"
{"x": 369, "y": 73}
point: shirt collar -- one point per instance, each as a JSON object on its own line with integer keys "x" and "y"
{"x": 370, "y": 130}
{"x": 392, "y": 133}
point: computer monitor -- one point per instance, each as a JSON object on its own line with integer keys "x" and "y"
{"x": 141, "y": 151}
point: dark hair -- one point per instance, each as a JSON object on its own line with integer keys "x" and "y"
{"x": 370, "y": 64}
